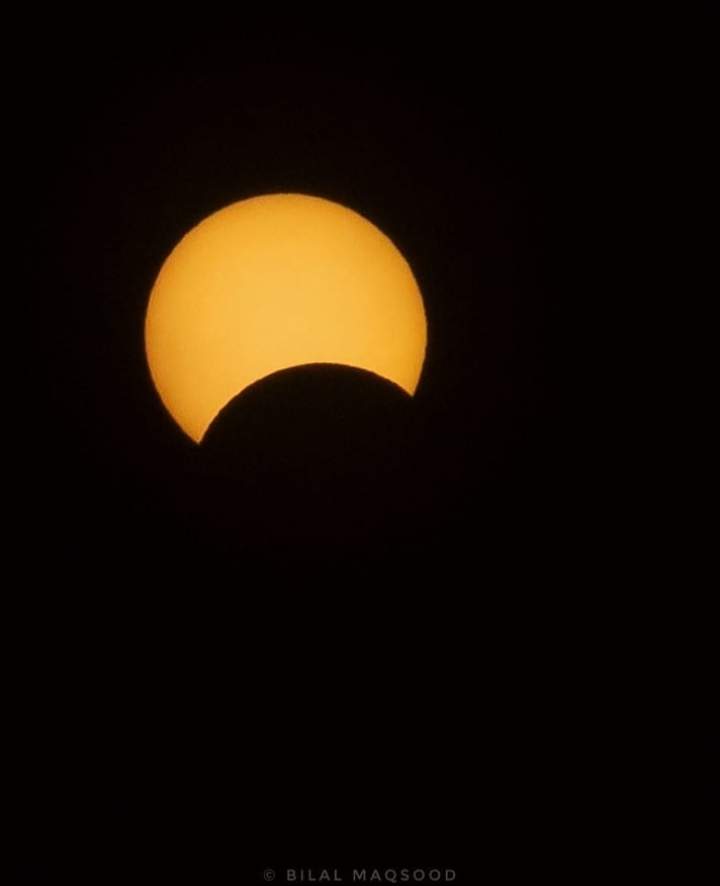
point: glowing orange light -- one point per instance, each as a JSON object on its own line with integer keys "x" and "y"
{"x": 273, "y": 282}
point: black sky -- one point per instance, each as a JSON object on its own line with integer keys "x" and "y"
{"x": 330, "y": 634}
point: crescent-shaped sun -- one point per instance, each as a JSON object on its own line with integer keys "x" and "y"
{"x": 273, "y": 282}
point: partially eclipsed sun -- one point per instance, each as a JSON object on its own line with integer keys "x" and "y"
{"x": 274, "y": 282}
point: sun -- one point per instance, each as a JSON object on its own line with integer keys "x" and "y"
{"x": 273, "y": 282}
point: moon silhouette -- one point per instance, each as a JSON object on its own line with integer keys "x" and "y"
{"x": 273, "y": 282}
